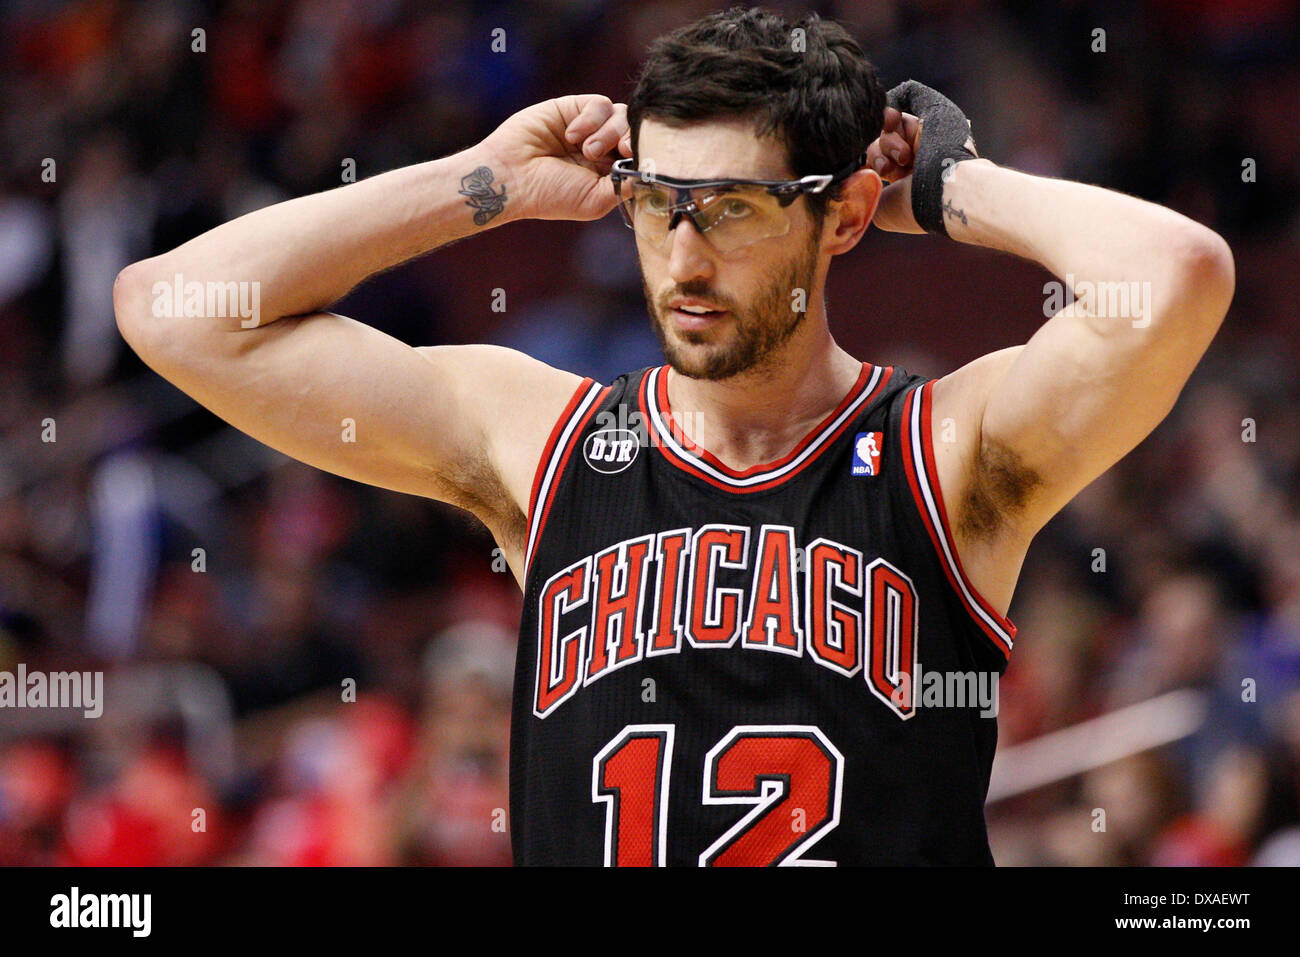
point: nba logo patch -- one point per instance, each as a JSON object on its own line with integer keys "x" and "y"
{"x": 866, "y": 453}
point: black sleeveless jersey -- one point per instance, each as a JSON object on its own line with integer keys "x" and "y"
{"x": 781, "y": 665}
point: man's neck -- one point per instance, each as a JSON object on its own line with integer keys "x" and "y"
{"x": 761, "y": 415}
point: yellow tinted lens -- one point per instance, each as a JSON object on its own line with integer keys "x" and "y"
{"x": 739, "y": 217}
{"x": 647, "y": 206}
{"x": 650, "y": 199}
{"x": 729, "y": 218}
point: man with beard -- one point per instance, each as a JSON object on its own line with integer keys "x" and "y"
{"x": 756, "y": 579}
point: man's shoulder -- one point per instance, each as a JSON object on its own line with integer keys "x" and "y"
{"x": 965, "y": 390}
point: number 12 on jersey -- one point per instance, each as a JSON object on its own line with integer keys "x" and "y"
{"x": 790, "y": 774}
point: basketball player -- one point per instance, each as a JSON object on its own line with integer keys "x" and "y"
{"x": 736, "y": 566}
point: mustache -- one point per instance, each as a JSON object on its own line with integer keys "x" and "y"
{"x": 688, "y": 293}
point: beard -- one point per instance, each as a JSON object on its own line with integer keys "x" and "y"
{"x": 758, "y": 332}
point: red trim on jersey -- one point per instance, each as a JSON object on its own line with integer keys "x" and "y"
{"x": 666, "y": 409}
{"x": 548, "y": 456}
{"x": 686, "y": 464}
{"x": 932, "y": 480}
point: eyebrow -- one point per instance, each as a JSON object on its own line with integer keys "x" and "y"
{"x": 778, "y": 177}
{"x": 720, "y": 177}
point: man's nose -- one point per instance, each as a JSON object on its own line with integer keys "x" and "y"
{"x": 690, "y": 255}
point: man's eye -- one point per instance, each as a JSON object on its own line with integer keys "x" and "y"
{"x": 656, "y": 202}
{"x": 737, "y": 208}
{"x": 732, "y": 206}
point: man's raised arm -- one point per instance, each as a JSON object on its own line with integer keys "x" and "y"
{"x": 1153, "y": 287}
{"x": 1018, "y": 433}
{"x": 464, "y": 424}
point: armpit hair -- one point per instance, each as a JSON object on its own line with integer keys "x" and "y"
{"x": 1000, "y": 485}
{"x": 476, "y": 488}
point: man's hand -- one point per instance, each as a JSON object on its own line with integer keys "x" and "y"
{"x": 462, "y": 424}
{"x": 560, "y": 152}
{"x": 892, "y": 156}
{"x": 907, "y": 206}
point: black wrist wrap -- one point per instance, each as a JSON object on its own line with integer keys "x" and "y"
{"x": 943, "y": 144}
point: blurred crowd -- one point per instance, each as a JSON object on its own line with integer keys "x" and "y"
{"x": 361, "y": 643}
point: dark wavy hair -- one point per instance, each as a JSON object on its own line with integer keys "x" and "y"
{"x": 816, "y": 92}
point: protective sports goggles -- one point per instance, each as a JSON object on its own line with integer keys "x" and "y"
{"x": 730, "y": 213}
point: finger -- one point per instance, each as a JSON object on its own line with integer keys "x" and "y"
{"x": 892, "y": 117}
{"x": 573, "y": 107}
{"x": 585, "y": 124}
{"x": 886, "y": 169}
{"x": 603, "y": 198}
{"x": 893, "y": 173}
{"x": 607, "y": 136}
{"x": 624, "y": 130}
{"x": 595, "y": 111}
{"x": 877, "y": 160}
{"x": 911, "y": 128}
{"x": 896, "y": 148}
{"x": 890, "y": 171}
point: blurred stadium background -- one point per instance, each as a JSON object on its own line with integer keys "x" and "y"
{"x": 224, "y": 685}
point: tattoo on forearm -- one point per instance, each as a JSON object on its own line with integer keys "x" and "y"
{"x": 485, "y": 203}
{"x": 954, "y": 213}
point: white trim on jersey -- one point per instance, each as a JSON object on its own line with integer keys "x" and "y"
{"x": 916, "y": 439}
{"x": 552, "y": 469}
{"x": 656, "y": 417}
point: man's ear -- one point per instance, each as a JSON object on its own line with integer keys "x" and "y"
{"x": 849, "y": 216}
